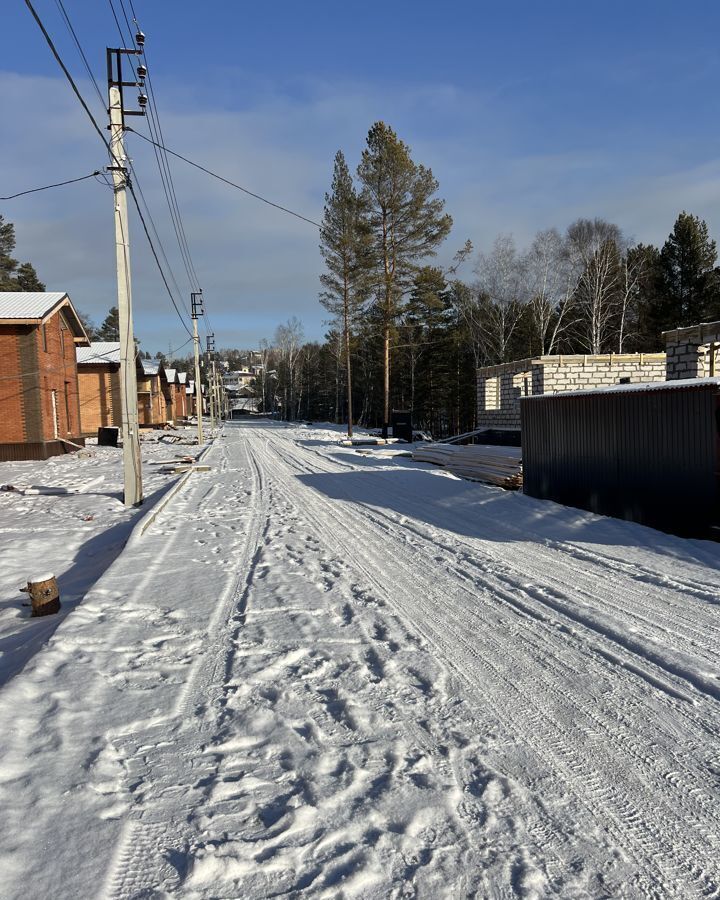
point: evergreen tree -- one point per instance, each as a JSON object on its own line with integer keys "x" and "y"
{"x": 110, "y": 328}
{"x": 15, "y": 276}
{"x": 346, "y": 249}
{"x": 27, "y": 279}
{"x": 688, "y": 280}
{"x": 424, "y": 317}
{"x": 7, "y": 263}
{"x": 407, "y": 222}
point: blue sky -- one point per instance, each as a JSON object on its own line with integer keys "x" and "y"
{"x": 529, "y": 114}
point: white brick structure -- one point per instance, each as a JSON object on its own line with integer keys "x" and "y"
{"x": 693, "y": 352}
{"x": 499, "y": 388}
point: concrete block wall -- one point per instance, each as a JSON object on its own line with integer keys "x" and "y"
{"x": 499, "y": 389}
{"x": 693, "y": 352}
{"x": 685, "y": 360}
{"x": 577, "y": 373}
{"x": 553, "y": 374}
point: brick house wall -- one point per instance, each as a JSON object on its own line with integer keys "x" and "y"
{"x": 39, "y": 389}
{"x": 180, "y": 401}
{"x": 151, "y": 402}
{"x": 12, "y": 422}
{"x": 100, "y": 403}
{"x": 499, "y": 388}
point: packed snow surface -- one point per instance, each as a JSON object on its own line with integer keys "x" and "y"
{"x": 319, "y": 673}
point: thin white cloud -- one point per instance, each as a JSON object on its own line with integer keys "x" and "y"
{"x": 259, "y": 266}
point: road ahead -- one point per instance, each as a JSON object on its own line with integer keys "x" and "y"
{"x": 323, "y": 674}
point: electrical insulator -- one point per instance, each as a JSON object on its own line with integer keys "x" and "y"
{"x": 142, "y": 100}
{"x": 141, "y": 71}
{"x": 140, "y": 39}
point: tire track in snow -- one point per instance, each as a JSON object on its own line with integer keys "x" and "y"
{"x": 164, "y": 776}
{"x": 319, "y": 671}
{"x": 648, "y": 838}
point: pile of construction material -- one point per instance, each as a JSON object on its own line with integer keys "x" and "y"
{"x": 496, "y": 465}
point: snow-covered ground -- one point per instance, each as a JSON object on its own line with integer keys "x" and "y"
{"x": 74, "y": 536}
{"x": 329, "y": 674}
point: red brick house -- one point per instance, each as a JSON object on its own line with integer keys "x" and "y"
{"x": 182, "y": 402}
{"x": 152, "y": 410}
{"x": 39, "y": 409}
{"x": 99, "y": 386}
{"x": 175, "y": 396}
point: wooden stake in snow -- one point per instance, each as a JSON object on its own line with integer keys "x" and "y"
{"x": 44, "y": 595}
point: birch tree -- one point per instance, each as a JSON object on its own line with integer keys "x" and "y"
{"x": 596, "y": 247}
{"x": 288, "y": 344}
{"x": 551, "y": 280}
{"x": 501, "y": 293}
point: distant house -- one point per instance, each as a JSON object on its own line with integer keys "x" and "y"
{"x": 39, "y": 408}
{"x": 152, "y": 410}
{"x": 190, "y": 397}
{"x": 500, "y": 388}
{"x": 99, "y": 383}
{"x": 169, "y": 386}
{"x": 182, "y": 401}
{"x": 174, "y": 392}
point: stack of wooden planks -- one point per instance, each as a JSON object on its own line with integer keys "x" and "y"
{"x": 496, "y": 465}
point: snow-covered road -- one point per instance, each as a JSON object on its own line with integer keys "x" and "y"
{"x": 330, "y": 675}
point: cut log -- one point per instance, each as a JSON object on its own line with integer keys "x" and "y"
{"x": 44, "y": 595}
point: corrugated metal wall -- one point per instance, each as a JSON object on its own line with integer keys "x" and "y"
{"x": 646, "y": 456}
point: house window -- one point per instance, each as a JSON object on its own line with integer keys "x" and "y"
{"x": 492, "y": 393}
{"x": 44, "y": 337}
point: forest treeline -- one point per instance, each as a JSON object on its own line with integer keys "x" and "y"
{"x": 407, "y": 334}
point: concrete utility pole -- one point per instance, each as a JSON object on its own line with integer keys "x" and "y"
{"x": 211, "y": 379}
{"x": 197, "y": 310}
{"x": 132, "y": 466}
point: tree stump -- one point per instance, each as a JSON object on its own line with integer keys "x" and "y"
{"x": 44, "y": 595}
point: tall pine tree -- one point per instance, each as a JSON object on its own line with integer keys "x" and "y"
{"x": 15, "y": 276}
{"x": 407, "y": 222}
{"x": 110, "y": 328}
{"x": 689, "y": 283}
{"x": 346, "y": 248}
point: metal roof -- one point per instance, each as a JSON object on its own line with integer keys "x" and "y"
{"x": 99, "y": 352}
{"x": 28, "y": 304}
{"x": 150, "y": 366}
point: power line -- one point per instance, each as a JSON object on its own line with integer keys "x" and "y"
{"x": 162, "y": 163}
{"x": 97, "y": 89}
{"x": 154, "y": 253}
{"x": 97, "y": 128}
{"x": 70, "y": 28}
{"x": 48, "y": 186}
{"x": 226, "y": 180}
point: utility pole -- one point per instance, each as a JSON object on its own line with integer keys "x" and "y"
{"x": 196, "y": 303}
{"x": 132, "y": 467}
{"x": 211, "y": 379}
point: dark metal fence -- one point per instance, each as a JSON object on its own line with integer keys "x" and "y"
{"x": 648, "y": 455}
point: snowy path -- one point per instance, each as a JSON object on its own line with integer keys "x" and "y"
{"x": 326, "y": 675}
